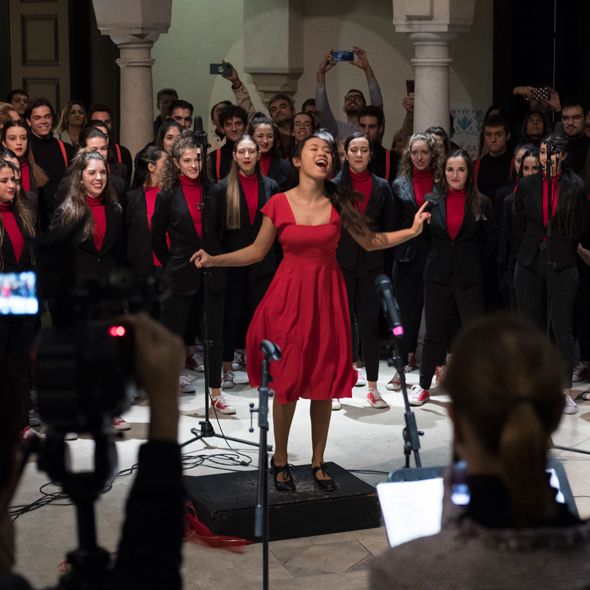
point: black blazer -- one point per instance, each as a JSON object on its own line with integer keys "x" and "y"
{"x": 91, "y": 262}
{"x": 25, "y": 262}
{"x": 138, "y": 239}
{"x": 172, "y": 215}
{"x": 236, "y": 239}
{"x": 350, "y": 255}
{"x": 529, "y": 229}
{"x": 404, "y": 210}
{"x": 463, "y": 258}
{"x": 280, "y": 171}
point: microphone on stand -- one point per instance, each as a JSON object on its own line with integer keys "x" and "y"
{"x": 560, "y": 141}
{"x": 200, "y": 136}
{"x": 385, "y": 291}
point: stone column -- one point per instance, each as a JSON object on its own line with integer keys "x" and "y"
{"x": 134, "y": 27}
{"x": 273, "y": 59}
{"x": 432, "y": 25}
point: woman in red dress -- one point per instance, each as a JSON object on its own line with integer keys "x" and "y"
{"x": 305, "y": 310}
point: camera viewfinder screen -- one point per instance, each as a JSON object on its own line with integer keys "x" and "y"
{"x": 18, "y": 294}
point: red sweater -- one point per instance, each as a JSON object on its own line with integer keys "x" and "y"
{"x": 555, "y": 183}
{"x": 250, "y": 187}
{"x": 363, "y": 184}
{"x": 12, "y": 229}
{"x": 100, "y": 222}
{"x": 455, "y": 211}
{"x": 422, "y": 181}
{"x": 193, "y": 195}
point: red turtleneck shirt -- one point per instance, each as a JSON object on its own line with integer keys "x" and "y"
{"x": 12, "y": 229}
{"x": 363, "y": 184}
{"x": 422, "y": 181}
{"x": 25, "y": 174}
{"x": 455, "y": 211}
{"x": 150, "y": 199}
{"x": 265, "y": 163}
{"x": 555, "y": 182}
{"x": 250, "y": 188}
{"x": 193, "y": 195}
{"x": 96, "y": 205}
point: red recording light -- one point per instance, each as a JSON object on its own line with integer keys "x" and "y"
{"x": 116, "y": 331}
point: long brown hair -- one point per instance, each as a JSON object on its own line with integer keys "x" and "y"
{"x": 506, "y": 379}
{"x": 38, "y": 173}
{"x": 405, "y": 166}
{"x": 75, "y": 206}
{"x": 232, "y": 196}
{"x": 475, "y": 202}
{"x": 18, "y": 209}
{"x": 343, "y": 198}
{"x": 171, "y": 174}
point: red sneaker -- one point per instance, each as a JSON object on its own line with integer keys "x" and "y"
{"x": 222, "y": 405}
{"x": 195, "y": 363}
{"x": 28, "y": 433}
{"x": 419, "y": 396}
{"x": 411, "y": 362}
{"x": 581, "y": 372}
{"x": 395, "y": 384}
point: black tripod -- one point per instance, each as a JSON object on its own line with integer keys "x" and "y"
{"x": 271, "y": 353}
{"x": 554, "y": 147}
{"x": 206, "y": 428}
{"x": 411, "y": 433}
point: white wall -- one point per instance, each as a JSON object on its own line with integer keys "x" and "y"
{"x": 204, "y": 32}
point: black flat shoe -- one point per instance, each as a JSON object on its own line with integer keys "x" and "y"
{"x": 326, "y": 485}
{"x": 282, "y": 486}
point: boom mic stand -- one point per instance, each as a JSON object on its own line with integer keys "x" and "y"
{"x": 271, "y": 353}
{"x": 206, "y": 430}
{"x": 554, "y": 148}
{"x": 411, "y": 433}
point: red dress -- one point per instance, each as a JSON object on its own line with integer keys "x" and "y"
{"x": 305, "y": 312}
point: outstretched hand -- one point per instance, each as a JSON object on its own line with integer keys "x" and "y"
{"x": 233, "y": 77}
{"x": 328, "y": 63}
{"x": 361, "y": 61}
{"x": 421, "y": 217}
{"x": 201, "y": 259}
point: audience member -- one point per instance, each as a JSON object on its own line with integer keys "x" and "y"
{"x": 169, "y": 131}
{"x": 308, "y": 106}
{"x": 302, "y": 126}
{"x": 505, "y": 384}
{"x": 73, "y": 118}
{"x": 216, "y": 136}
{"x": 354, "y": 99}
{"x": 164, "y": 99}
{"x": 573, "y": 117}
{"x": 233, "y": 120}
{"x": 19, "y": 99}
{"x": 282, "y": 110}
{"x": 7, "y": 113}
{"x": 181, "y": 111}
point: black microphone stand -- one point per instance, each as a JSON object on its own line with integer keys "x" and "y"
{"x": 206, "y": 428}
{"x": 411, "y": 433}
{"x": 271, "y": 353}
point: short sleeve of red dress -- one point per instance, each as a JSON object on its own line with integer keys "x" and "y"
{"x": 279, "y": 211}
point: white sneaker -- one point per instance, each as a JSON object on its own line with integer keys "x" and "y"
{"x": 120, "y": 424}
{"x": 581, "y": 372}
{"x": 570, "y": 405}
{"x": 185, "y": 386}
{"x": 71, "y": 436}
{"x": 336, "y": 405}
{"x": 222, "y": 405}
{"x": 375, "y": 399}
{"x": 239, "y": 361}
{"x": 361, "y": 379}
{"x": 227, "y": 381}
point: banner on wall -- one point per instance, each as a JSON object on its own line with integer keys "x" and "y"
{"x": 468, "y": 124}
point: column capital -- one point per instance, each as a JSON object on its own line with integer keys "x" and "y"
{"x": 270, "y": 83}
{"x": 433, "y": 16}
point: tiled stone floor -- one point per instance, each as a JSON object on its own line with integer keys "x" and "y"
{"x": 360, "y": 438}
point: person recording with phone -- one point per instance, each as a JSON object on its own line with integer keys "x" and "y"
{"x": 535, "y": 287}
{"x": 149, "y": 551}
{"x": 354, "y": 99}
{"x": 505, "y": 385}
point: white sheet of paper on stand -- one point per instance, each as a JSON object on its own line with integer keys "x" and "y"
{"x": 411, "y": 509}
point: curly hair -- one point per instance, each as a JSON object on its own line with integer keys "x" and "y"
{"x": 75, "y": 206}
{"x": 405, "y": 167}
{"x": 18, "y": 209}
{"x": 171, "y": 174}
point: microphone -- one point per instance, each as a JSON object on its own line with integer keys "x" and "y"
{"x": 560, "y": 141}
{"x": 200, "y": 136}
{"x": 271, "y": 351}
{"x": 385, "y": 291}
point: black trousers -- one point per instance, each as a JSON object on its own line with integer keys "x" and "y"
{"x": 360, "y": 287}
{"x": 16, "y": 337}
{"x": 409, "y": 291}
{"x": 180, "y": 314}
{"x": 531, "y": 295}
{"x": 151, "y": 304}
{"x": 437, "y": 303}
